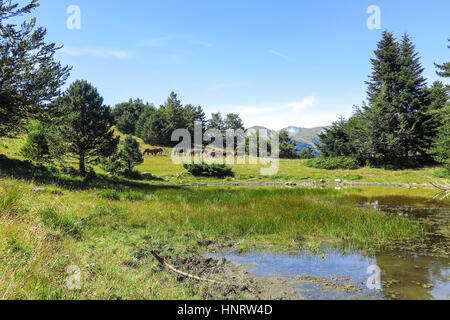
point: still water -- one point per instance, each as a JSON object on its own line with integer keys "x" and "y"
{"x": 342, "y": 273}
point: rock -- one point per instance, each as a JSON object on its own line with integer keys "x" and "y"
{"x": 291, "y": 184}
{"x": 322, "y": 181}
{"x": 38, "y": 190}
{"x": 338, "y": 181}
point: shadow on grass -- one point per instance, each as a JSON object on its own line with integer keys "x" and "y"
{"x": 25, "y": 170}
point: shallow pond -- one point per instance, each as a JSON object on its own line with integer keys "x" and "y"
{"x": 343, "y": 273}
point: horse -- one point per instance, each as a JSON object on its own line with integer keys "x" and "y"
{"x": 153, "y": 152}
{"x": 196, "y": 152}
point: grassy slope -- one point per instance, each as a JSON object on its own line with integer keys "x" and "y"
{"x": 101, "y": 226}
{"x": 162, "y": 166}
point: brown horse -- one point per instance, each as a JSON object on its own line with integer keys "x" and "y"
{"x": 153, "y": 152}
{"x": 196, "y": 152}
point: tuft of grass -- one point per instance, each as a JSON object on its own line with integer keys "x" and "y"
{"x": 109, "y": 194}
{"x": 131, "y": 195}
{"x": 10, "y": 196}
{"x": 68, "y": 224}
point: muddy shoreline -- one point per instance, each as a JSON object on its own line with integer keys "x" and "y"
{"x": 308, "y": 184}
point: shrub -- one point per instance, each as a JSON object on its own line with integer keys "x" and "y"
{"x": 209, "y": 170}
{"x": 36, "y": 146}
{"x": 130, "y": 154}
{"x": 112, "y": 164}
{"x": 333, "y": 163}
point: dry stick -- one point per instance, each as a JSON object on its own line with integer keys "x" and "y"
{"x": 164, "y": 263}
{"x": 442, "y": 185}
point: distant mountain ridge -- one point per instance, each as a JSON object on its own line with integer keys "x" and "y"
{"x": 303, "y": 137}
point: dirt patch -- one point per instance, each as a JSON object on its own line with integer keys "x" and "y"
{"x": 234, "y": 283}
{"x": 308, "y": 184}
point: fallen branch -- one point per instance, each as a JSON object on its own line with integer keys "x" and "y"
{"x": 184, "y": 274}
{"x": 442, "y": 185}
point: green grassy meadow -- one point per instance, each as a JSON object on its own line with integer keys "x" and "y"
{"x": 163, "y": 167}
{"x": 107, "y": 226}
{"x": 42, "y": 232}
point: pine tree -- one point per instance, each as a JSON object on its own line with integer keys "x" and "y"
{"x": 84, "y": 124}
{"x": 287, "y": 146}
{"x": 148, "y": 112}
{"x": 131, "y": 154}
{"x": 127, "y": 114}
{"x": 444, "y": 68}
{"x": 334, "y": 141}
{"x": 29, "y": 74}
{"x": 381, "y": 112}
{"x": 412, "y": 104}
{"x": 307, "y": 153}
{"x": 441, "y": 146}
{"x": 397, "y": 111}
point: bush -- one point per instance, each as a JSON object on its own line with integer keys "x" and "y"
{"x": 112, "y": 164}
{"x": 209, "y": 170}
{"x": 36, "y": 146}
{"x": 333, "y": 163}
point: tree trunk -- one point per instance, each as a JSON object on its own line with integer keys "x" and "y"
{"x": 82, "y": 165}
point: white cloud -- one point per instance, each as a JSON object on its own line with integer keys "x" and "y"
{"x": 103, "y": 53}
{"x": 281, "y": 115}
{"x": 303, "y": 104}
{"x": 278, "y": 54}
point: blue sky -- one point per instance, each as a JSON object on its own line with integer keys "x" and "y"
{"x": 277, "y": 63}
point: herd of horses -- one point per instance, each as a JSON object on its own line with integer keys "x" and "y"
{"x": 214, "y": 153}
{"x": 197, "y": 152}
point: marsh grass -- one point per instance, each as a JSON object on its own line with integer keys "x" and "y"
{"x": 100, "y": 230}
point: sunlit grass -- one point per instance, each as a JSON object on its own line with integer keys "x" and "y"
{"x": 44, "y": 232}
{"x": 162, "y": 166}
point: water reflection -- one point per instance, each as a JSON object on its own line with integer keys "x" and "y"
{"x": 424, "y": 274}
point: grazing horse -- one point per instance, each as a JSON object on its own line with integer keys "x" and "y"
{"x": 153, "y": 152}
{"x": 196, "y": 152}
